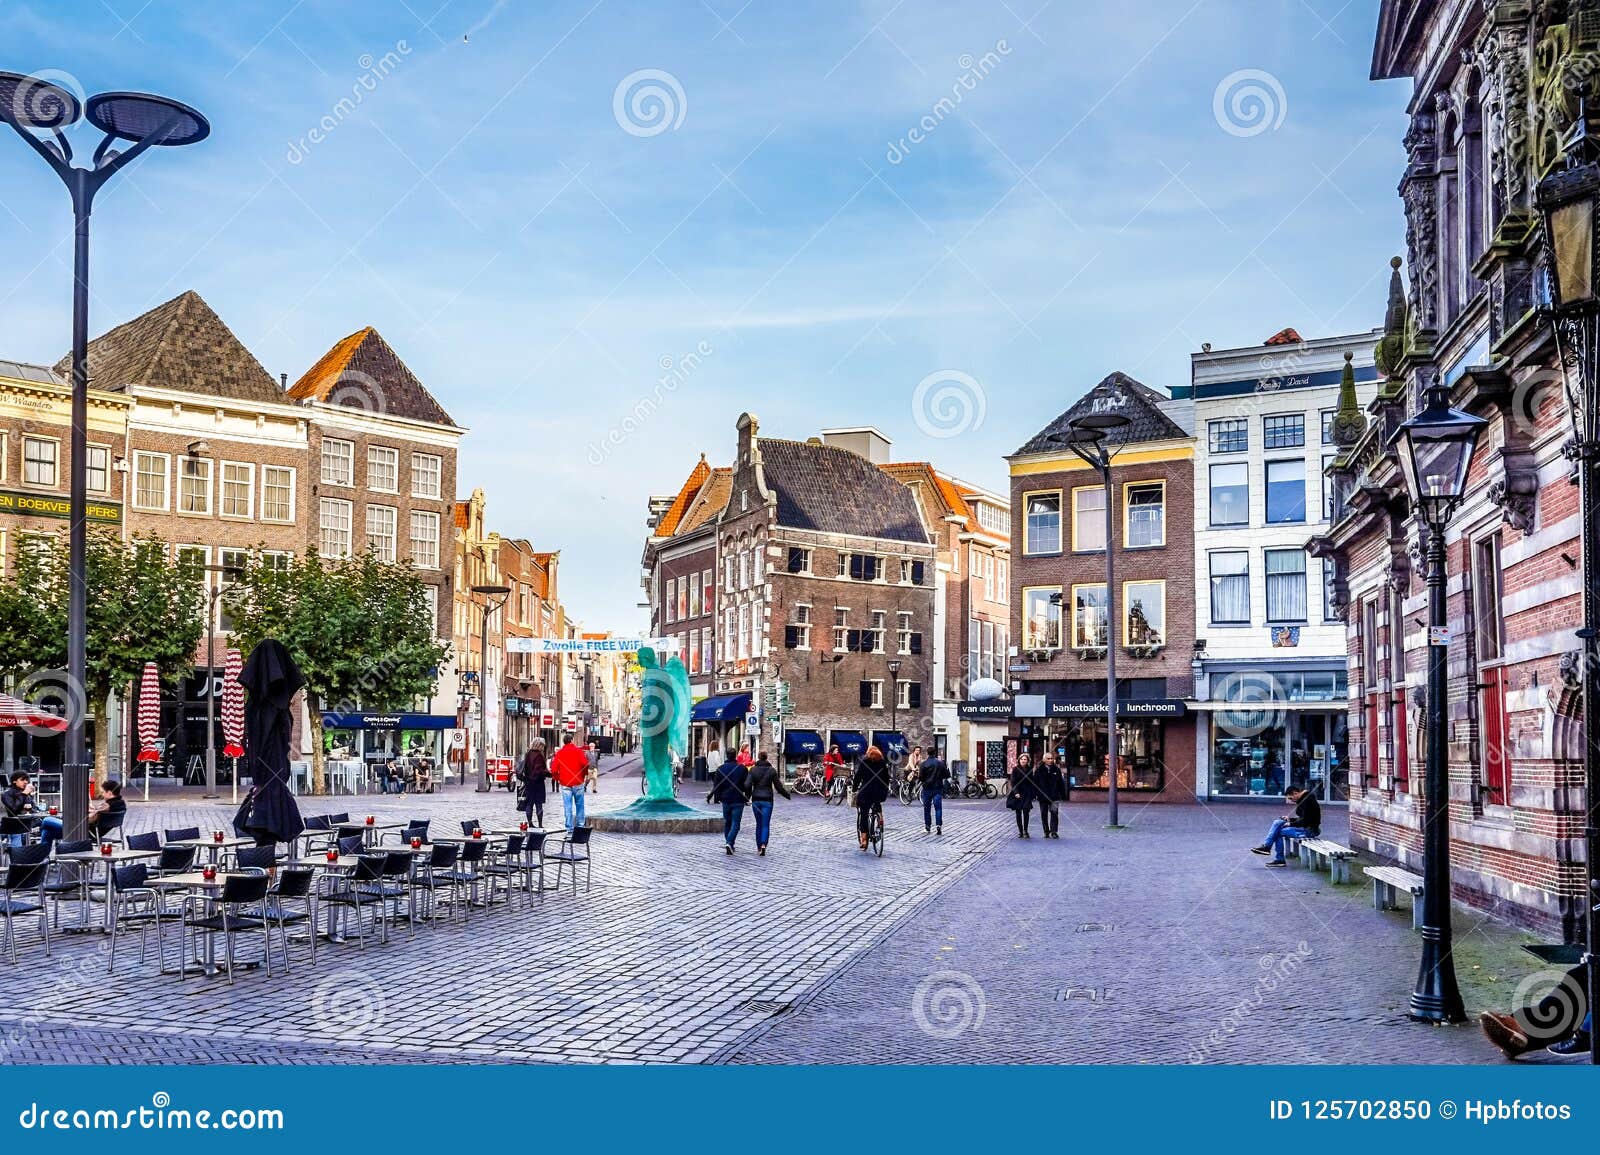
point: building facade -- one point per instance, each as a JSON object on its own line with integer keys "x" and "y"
{"x": 1060, "y": 607}
{"x": 1496, "y": 87}
{"x": 1270, "y": 676}
{"x": 680, "y": 569}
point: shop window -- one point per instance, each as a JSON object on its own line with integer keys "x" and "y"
{"x": 1286, "y": 491}
{"x": 1041, "y": 618}
{"x": 1088, "y": 519}
{"x": 1141, "y": 762}
{"x": 1042, "y": 525}
{"x": 1286, "y": 585}
{"x": 1488, "y": 638}
{"x": 1230, "y": 494}
{"x": 1090, "y": 628}
{"x": 1144, "y": 514}
{"x": 1230, "y": 587}
{"x": 1144, "y": 615}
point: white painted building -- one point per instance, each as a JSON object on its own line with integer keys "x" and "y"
{"x": 1269, "y": 661}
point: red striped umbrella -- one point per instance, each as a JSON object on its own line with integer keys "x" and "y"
{"x": 14, "y": 713}
{"x": 149, "y": 713}
{"x": 232, "y": 706}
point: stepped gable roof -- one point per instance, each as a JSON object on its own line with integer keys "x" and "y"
{"x": 181, "y": 345}
{"x": 830, "y": 490}
{"x": 1118, "y": 393}
{"x": 364, "y": 372}
{"x": 710, "y": 501}
{"x": 691, "y": 486}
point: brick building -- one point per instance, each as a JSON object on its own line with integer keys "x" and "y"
{"x": 531, "y": 683}
{"x": 1059, "y": 602}
{"x": 476, "y": 558}
{"x": 1480, "y": 139}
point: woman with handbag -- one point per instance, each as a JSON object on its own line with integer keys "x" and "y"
{"x": 530, "y": 783}
{"x": 1019, "y": 799}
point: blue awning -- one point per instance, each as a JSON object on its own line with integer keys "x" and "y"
{"x": 723, "y": 708}
{"x": 850, "y": 742}
{"x": 802, "y": 742}
{"x": 893, "y": 745}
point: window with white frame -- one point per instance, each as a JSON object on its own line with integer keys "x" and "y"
{"x": 234, "y": 562}
{"x": 277, "y": 493}
{"x": 1286, "y": 585}
{"x": 707, "y": 651}
{"x": 194, "y": 485}
{"x": 1144, "y": 613}
{"x": 1283, "y": 431}
{"x": 383, "y": 469}
{"x": 427, "y": 475}
{"x": 880, "y": 623}
{"x": 800, "y": 626}
{"x": 903, "y": 694}
{"x": 334, "y": 518}
{"x": 905, "y": 571}
{"x": 872, "y": 693}
{"x": 1002, "y": 581}
{"x": 903, "y": 631}
{"x": 150, "y": 490}
{"x": 381, "y": 532}
{"x": 338, "y": 462}
{"x": 1228, "y": 435}
{"x": 694, "y": 595}
{"x": 279, "y": 561}
{"x": 1089, "y": 519}
{"x": 841, "y": 628}
{"x": 238, "y": 489}
{"x": 1327, "y": 487}
{"x": 683, "y": 599}
{"x": 744, "y": 631}
{"x": 1230, "y": 587}
{"x": 1041, "y": 526}
{"x": 1091, "y": 629}
{"x": 708, "y": 599}
{"x": 1041, "y": 618}
{"x": 672, "y": 600}
{"x": 1145, "y": 514}
{"x": 1230, "y": 494}
{"x": 41, "y": 461}
{"x": 424, "y": 539}
{"x": 97, "y": 466}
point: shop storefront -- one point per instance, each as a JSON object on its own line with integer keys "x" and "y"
{"x": 416, "y": 743}
{"x": 800, "y": 748}
{"x": 717, "y": 721}
{"x": 1265, "y": 730}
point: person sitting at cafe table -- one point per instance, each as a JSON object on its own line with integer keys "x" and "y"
{"x": 19, "y": 801}
{"x": 110, "y": 802}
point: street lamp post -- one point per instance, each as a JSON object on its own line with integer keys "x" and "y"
{"x": 1569, "y": 201}
{"x": 212, "y": 599}
{"x": 38, "y": 111}
{"x": 893, "y": 665}
{"x": 1088, "y": 437}
{"x": 1435, "y": 450}
{"x": 504, "y": 594}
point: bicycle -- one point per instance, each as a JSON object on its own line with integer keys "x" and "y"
{"x": 980, "y": 787}
{"x": 808, "y": 782}
{"x": 875, "y": 829}
{"x": 839, "y": 791}
{"x": 910, "y": 791}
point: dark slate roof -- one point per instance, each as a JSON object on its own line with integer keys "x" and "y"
{"x": 364, "y": 372}
{"x": 831, "y": 490}
{"x": 179, "y": 345}
{"x": 1118, "y": 393}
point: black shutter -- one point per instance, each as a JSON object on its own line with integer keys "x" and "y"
{"x": 856, "y": 567}
{"x": 791, "y": 637}
{"x": 866, "y": 694}
{"x": 916, "y": 643}
{"x": 797, "y": 560}
{"x": 852, "y": 640}
{"x": 918, "y": 572}
{"x": 873, "y": 568}
{"x": 914, "y": 694}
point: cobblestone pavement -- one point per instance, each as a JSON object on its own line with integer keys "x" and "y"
{"x": 1165, "y": 942}
{"x": 1156, "y": 944}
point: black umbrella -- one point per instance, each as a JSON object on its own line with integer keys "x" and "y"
{"x": 271, "y": 679}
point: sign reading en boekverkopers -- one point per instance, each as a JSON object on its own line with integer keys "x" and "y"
{"x": 53, "y": 505}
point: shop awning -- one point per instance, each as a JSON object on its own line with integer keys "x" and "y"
{"x": 14, "y": 713}
{"x": 802, "y": 742}
{"x": 850, "y": 742}
{"x": 722, "y": 708}
{"x": 893, "y": 745}
{"x": 399, "y": 720}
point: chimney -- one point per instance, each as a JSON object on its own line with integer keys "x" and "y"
{"x": 862, "y": 440}
{"x": 283, "y": 380}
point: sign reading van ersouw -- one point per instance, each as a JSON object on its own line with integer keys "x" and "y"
{"x": 588, "y": 645}
{"x": 49, "y": 505}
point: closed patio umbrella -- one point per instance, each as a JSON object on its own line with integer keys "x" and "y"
{"x": 271, "y": 679}
{"x": 149, "y": 713}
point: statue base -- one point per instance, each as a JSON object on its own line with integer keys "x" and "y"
{"x": 657, "y": 816}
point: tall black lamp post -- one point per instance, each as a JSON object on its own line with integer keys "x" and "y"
{"x": 1435, "y": 450}
{"x": 504, "y": 594}
{"x": 1569, "y": 200}
{"x": 132, "y": 122}
{"x": 894, "y": 698}
{"x": 1087, "y": 436}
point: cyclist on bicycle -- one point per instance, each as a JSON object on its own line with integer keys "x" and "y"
{"x": 871, "y": 784}
{"x": 831, "y": 762}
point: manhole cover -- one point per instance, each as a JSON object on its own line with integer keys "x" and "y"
{"x": 1093, "y": 927}
{"x": 1086, "y": 994}
{"x": 767, "y": 1007}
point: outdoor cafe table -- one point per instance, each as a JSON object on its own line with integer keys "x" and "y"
{"x": 209, "y": 887}
{"x": 119, "y": 856}
{"x": 373, "y": 831}
{"x": 210, "y": 844}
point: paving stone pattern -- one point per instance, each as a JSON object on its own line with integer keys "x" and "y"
{"x": 1165, "y": 942}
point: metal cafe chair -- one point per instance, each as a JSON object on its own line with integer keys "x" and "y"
{"x": 569, "y": 852}
{"x": 360, "y": 890}
{"x": 232, "y": 915}
{"x": 293, "y": 886}
{"x": 503, "y": 866}
{"x": 67, "y": 878}
{"x": 439, "y": 874}
{"x": 135, "y": 904}
{"x": 24, "y": 875}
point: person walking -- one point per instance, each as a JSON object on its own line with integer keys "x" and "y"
{"x": 570, "y": 768}
{"x": 934, "y": 777}
{"x": 1052, "y": 788}
{"x": 871, "y": 785}
{"x": 730, "y": 786}
{"x": 1019, "y": 799}
{"x": 765, "y": 780}
{"x": 535, "y": 771}
{"x": 591, "y": 778}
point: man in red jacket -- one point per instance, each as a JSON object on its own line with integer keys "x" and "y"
{"x": 570, "y": 767}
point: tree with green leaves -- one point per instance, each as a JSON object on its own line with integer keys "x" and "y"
{"x": 144, "y": 606}
{"x": 360, "y": 630}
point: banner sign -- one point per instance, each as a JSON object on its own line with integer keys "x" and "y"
{"x": 48, "y": 505}
{"x": 588, "y": 645}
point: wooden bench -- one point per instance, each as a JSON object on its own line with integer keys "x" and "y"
{"x": 1387, "y": 881}
{"x": 1291, "y": 846}
{"x": 1318, "y": 852}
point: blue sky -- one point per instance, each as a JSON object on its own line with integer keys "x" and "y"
{"x": 538, "y": 245}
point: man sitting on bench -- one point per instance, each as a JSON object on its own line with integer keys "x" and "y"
{"x": 1304, "y": 822}
{"x": 1547, "y": 1023}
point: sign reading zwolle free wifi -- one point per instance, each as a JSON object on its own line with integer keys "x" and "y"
{"x": 588, "y": 645}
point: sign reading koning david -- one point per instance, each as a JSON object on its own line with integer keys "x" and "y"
{"x": 589, "y": 645}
